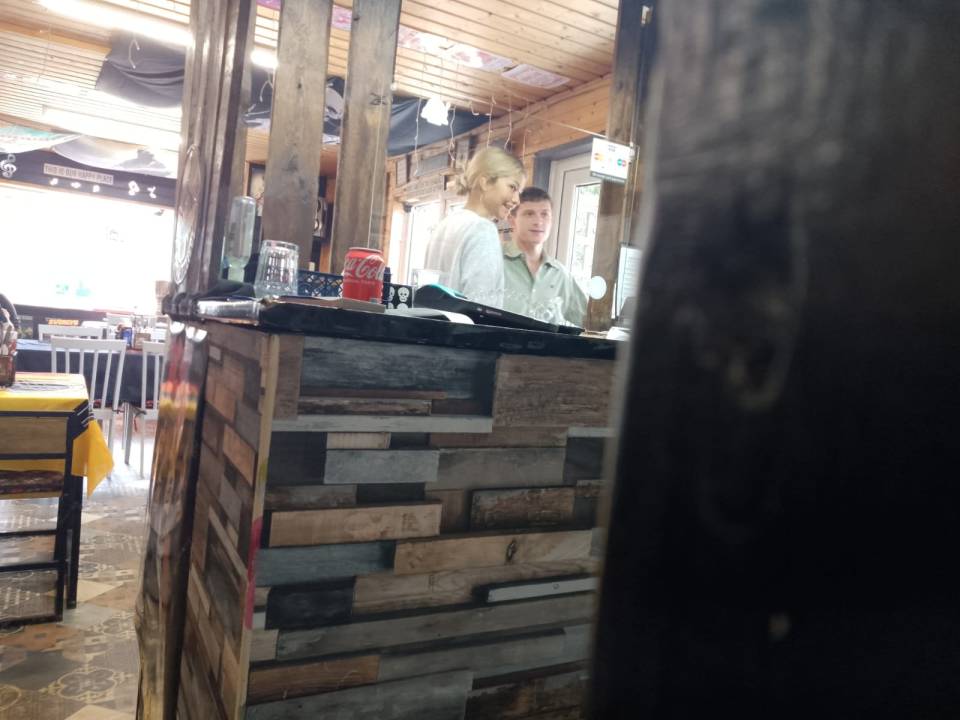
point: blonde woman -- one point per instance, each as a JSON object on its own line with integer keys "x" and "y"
{"x": 465, "y": 248}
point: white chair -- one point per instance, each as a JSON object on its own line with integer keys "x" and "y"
{"x": 96, "y": 325}
{"x": 45, "y": 331}
{"x": 108, "y": 350}
{"x": 154, "y": 352}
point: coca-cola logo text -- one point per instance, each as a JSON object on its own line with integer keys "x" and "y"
{"x": 365, "y": 268}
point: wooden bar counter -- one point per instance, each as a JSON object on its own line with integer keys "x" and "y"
{"x": 395, "y": 518}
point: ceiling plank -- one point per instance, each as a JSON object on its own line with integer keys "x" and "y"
{"x": 555, "y": 61}
{"x": 550, "y": 16}
{"x": 521, "y": 34}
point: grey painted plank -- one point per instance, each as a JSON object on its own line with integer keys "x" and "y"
{"x": 499, "y": 467}
{"x": 358, "y": 636}
{"x": 584, "y": 459}
{"x": 363, "y": 364}
{"x": 296, "y": 458}
{"x": 590, "y": 432}
{"x": 577, "y": 639}
{"x": 430, "y": 697}
{"x": 353, "y": 467}
{"x": 362, "y": 406}
{"x": 506, "y": 592}
{"x": 386, "y": 423}
{"x": 484, "y": 659}
{"x": 284, "y": 566}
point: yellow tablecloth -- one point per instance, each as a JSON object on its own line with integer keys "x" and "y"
{"x": 59, "y": 392}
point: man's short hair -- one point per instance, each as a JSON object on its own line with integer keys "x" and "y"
{"x": 533, "y": 194}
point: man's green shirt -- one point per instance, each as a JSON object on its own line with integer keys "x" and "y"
{"x": 552, "y": 296}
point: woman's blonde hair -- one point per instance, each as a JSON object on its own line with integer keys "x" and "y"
{"x": 491, "y": 163}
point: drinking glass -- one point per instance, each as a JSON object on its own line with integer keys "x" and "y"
{"x": 277, "y": 269}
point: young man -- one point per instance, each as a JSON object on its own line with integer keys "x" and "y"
{"x": 534, "y": 284}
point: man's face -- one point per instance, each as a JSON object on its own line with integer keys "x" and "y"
{"x": 531, "y": 222}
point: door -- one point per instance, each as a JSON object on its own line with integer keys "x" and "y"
{"x": 576, "y": 201}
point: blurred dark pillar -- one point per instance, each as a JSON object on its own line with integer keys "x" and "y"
{"x": 784, "y": 528}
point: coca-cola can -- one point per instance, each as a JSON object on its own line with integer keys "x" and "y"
{"x": 363, "y": 274}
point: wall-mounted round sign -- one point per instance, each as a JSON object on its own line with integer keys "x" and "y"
{"x": 597, "y": 287}
{"x": 188, "y": 213}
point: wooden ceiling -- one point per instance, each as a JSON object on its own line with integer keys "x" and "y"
{"x": 49, "y": 60}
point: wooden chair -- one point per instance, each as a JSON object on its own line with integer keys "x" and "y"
{"x": 147, "y": 410}
{"x": 104, "y": 404}
{"x": 45, "y": 436}
{"x": 44, "y": 331}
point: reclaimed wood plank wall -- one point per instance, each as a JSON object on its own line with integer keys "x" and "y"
{"x": 218, "y": 630}
{"x": 440, "y": 569}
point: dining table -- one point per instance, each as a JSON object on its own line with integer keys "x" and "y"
{"x": 34, "y": 356}
{"x": 30, "y": 402}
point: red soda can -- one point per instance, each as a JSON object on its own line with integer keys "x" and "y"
{"x": 363, "y": 274}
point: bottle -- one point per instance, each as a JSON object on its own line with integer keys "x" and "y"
{"x": 386, "y": 286}
{"x": 238, "y": 238}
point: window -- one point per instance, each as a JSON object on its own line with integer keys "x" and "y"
{"x": 75, "y": 251}
{"x": 423, "y": 219}
{"x": 576, "y": 203}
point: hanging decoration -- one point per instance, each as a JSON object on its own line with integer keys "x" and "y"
{"x": 436, "y": 111}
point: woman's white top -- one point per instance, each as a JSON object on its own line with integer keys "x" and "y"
{"x": 465, "y": 249}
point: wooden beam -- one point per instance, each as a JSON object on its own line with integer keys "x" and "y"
{"x": 212, "y": 103}
{"x": 358, "y": 211}
{"x": 296, "y": 124}
{"x": 238, "y": 168}
{"x": 624, "y": 96}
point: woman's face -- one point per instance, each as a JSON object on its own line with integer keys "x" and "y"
{"x": 500, "y": 196}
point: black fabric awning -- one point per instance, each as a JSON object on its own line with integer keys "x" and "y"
{"x": 148, "y": 73}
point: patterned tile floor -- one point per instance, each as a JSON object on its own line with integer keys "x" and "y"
{"x": 85, "y": 667}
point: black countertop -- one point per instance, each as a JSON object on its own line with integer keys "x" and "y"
{"x": 382, "y": 327}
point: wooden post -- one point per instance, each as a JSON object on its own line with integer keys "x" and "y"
{"x": 783, "y": 516}
{"x": 212, "y": 103}
{"x": 633, "y": 208}
{"x": 624, "y": 97}
{"x": 361, "y": 172}
{"x": 296, "y": 121}
{"x": 238, "y": 169}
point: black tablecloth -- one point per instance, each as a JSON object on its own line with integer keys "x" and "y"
{"x": 34, "y": 356}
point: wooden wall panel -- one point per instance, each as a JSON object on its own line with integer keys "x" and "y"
{"x": 563, "y": 391}
{"x": 291, "y": 681}
{"x": 472, "y": 468}
{"x": 430, "y": 697}
{"x": 470, "y": 551}
{"x": 551, "y": 693}
{"x": 483, "y": 658}
{"x": 387, "y": 592}
{"x": 407, "y": 544}
{"x": 226, "y": 533}
{"x": 526, "y": 507}
{"x": 331, "y": 363}
{"x": 356, "y": 524}
{"x": 371, "y": 634}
